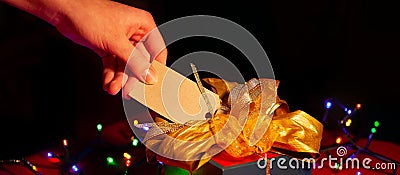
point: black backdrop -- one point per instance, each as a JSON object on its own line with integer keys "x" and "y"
{"x": 318, "y": 49}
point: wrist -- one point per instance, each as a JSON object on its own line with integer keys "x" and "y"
{"x": 51, "y": 11}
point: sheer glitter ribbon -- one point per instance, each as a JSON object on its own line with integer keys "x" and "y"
{"x": 252, "y": 120}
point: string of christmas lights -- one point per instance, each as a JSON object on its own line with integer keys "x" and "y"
{"x": 344, "y": 123}
{"x": 68, "y": 164}
{"x": 23, "y": 162}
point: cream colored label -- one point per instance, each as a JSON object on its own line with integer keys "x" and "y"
{"x": 174, "y": 96}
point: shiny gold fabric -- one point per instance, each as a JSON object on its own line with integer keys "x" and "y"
{"x": 253, "y": 121}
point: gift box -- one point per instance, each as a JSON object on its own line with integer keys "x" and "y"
{"x": 224, "y": 164}
{"x": 251, "y": 121}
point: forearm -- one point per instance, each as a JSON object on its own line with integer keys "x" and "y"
{"x": 50, "y": 11}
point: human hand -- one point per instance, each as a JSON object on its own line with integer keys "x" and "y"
{"x": 114, "y": 31}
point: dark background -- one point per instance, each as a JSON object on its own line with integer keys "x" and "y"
{"x": 346, "y": 50}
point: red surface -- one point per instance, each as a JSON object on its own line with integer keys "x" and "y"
{"x": 225, "y": 160}
{"x": 380, "y": 147}
{"x": 94, "y": 163}
{"x": 383, "y": 148}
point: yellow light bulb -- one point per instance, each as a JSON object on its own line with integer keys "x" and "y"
{"x": 338, "y": 140}
{"x": 127, "y": 156}
{"x": 348, "y": 122}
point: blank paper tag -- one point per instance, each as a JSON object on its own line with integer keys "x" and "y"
{"x": 174, "y": 96}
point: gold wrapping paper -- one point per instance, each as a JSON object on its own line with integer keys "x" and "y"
{"x": 239, "y": 127}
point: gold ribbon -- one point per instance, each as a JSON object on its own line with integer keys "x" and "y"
{"x": 247, "y": 109}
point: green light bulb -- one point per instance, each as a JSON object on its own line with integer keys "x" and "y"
{"x": 337, "y": 165}
{"x": 373, "y": 130}
{"x": 110, "y": 160}
{"x": 135, "y": 142}
{"x": 99, "y": 127}
{"x": 376, "y": 123}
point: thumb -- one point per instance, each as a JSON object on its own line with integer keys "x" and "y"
{"x": 137, "y": 61}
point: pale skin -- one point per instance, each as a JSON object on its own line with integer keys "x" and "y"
{"x": 116, "y": 32}
{"x": 122, "y": 36}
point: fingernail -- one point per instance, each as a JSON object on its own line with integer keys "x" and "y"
{"x": 150, "y": 76}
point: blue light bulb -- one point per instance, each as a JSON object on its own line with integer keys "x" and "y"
{"x": 50, "y": 155}
{"x": 75, "y": 168}
{"x": 349, "y": 111}
{"x": 328, "y": 104}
